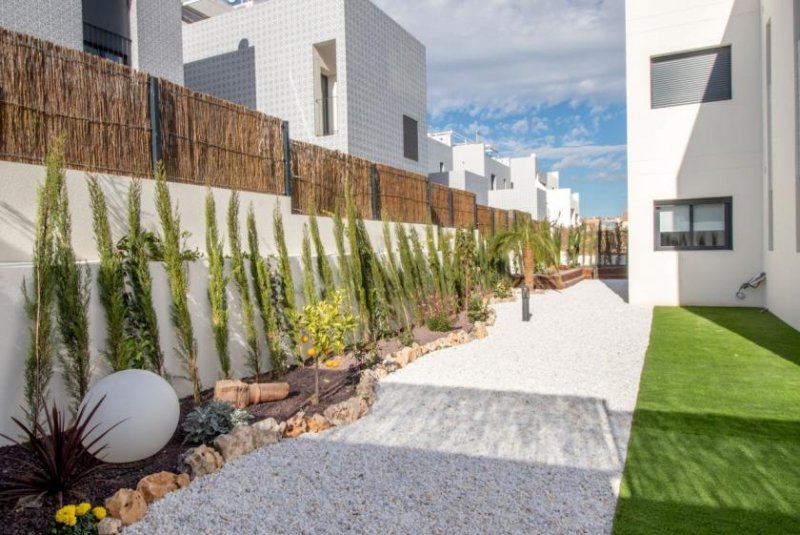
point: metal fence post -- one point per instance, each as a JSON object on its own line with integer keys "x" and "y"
{"x": 287, "y": 159}
{"x": 475, "y": 214}
{"x": 156, "y": 148}
{"x": 428, "y": 199}
{"x": 450, "y": 208}
{"x": 491, "y": 212}
{"x": 376, "y": 193}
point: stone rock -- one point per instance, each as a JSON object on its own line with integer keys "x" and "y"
{"x": 182, "y": 480}
{"x": 415, "y": 352}
{"x": 347, "y": 411}
{"x": 157, "y": 485}
{"x": 479, "y": 331}
{"x": 317, "y": 423}
{"x": 127, "y": 505}
{"x": 296, "y": 425}
{"x": 366, "y": 387}
{"x": 267, "y": 432}
{"x": 491, "y": 318}
{"x": 462, "y": 337}
{"x": 391, "y": 364}
{"x": 236, "y": 443}
{"x": 402, "y": 356}
{"x": 201, "y": 461}
{"x": 109, "y": 526}
{"x": 380, "y": 371}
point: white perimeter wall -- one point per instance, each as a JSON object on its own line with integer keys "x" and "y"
{"x": 783, "y": 262}
{"x": 709, "y": 150}
{"x": 17, "y": 215}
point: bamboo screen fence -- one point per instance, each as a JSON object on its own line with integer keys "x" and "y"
{"x": 440, "y": 205}
{"x": 320, "y": 177}
{"x": 463, "y": 208}
{"x": 207, "y": 140}
{"x": 403, "y": 195}
{"x": 101, "y": 107}
{"x": 484, "y": 220}
{"x": 502, "y": 220}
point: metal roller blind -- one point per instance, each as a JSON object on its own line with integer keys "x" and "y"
{"x": 410, "y": 138}
{"x": 691, "y": 77}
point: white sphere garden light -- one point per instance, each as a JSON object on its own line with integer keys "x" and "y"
{"x": 141, "y": 408}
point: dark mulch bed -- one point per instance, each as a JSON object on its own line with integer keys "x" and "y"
{"x": 336, "y": 385}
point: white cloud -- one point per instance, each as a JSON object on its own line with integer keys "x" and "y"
{"x": 599, "y": 162}
{"x": 510, "y": 55}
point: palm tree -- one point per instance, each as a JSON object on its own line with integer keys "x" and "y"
{"x": 530, "y": 240}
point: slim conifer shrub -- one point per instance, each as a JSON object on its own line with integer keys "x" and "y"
{"x": 397, "y": 292}
{"x": 265, "y": 297}
{"x": 323, "y": 264}
{"x": 39, "y": 294}
{"x": 141, "y": 322}
{"x": 434, "y": 264}
{"x": 309, "y": 285}
{"x": 72, "y": 301}
{"x": 110, "y": 280}
{"x": 409, "y": 276}
{"x": 356, "y": 267}
{"x": 217, "y": 287}
{"x": 243, "y": 286}
{"x": 284, "y": 269}
{"x": 345, "y": 276}
{"x": 425, "y": 280}
{"x": 448, "y": 266}
{"x": 178, "y": 278}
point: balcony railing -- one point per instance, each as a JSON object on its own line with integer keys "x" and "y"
{"x": 106, "y": 44}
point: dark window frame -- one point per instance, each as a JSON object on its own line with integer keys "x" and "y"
{"x": 660, "y": 58}
{"x": 726, "y": 201}
{"x": 410, "y": 146}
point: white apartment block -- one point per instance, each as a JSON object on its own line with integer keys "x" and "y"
{"x": 713, "y": 152}
{"x": 341, "y": 72}
{"x": 144, "y": 34}
{"x": 507, "y": 183}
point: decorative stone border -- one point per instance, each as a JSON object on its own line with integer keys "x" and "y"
{"x": 128, "y": 506}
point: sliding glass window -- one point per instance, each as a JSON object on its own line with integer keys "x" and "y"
{"x": 693, "y": 224}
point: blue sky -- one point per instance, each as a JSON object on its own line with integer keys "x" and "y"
{"x": 531, "y": 76}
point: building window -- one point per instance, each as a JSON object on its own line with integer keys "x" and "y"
{"x": 691, "y": 77}
{"x": 441, "y": 167}
{"x": 410, "y": 138}
{"x": 325, "y": 88}
{"x": 693, "y": 224}
{"x": 106, "y": 29}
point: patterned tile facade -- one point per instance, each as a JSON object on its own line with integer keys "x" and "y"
{"x": 155, "y": 29}
{"x": 262, "y": 57}
{"x": 59, "y": 21}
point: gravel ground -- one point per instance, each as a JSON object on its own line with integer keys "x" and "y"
{"x": 522, "y": 432}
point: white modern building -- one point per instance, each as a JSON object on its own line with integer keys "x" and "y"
{"x": 713, "y": 146}
{"x": 341, "y": 72}
{"x": 507, "y": 183}
{"x": 144, "y": 34}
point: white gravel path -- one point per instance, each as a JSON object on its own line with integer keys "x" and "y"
{"x": 521, "y": 432}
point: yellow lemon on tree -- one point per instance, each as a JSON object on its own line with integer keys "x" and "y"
{"x": 304, "y": 339}
{"x": 312, "y": 352}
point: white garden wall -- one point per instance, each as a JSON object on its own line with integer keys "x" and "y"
{"x": 17, "y": 217}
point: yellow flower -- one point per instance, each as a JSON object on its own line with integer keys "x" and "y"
{"x": 99, "y": 512}
{"x": 82, "y": 508}
{"x": 66, "y": 515}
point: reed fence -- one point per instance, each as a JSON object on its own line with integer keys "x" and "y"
{"x": 484, "y": 220}
{"x": 120, "y": 121}
{"x": 47, "y": 90}
{"x": 463, "y": 208}
{"x": 207, "y": 140}
{"x": 502, "y": 220}
{"x": 440, "y": 205}
{"x": 320, "y": 177}
{"x": 403, "y": 195}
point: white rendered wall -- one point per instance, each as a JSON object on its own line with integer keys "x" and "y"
{"x": 466, "y": 181}
{"x": 783, "y": 262}
{"x": 18, "y": 212}
{"x": 439, "y": 153}
{"x": 470, "y": 157}
{"x": 694, "y": 151}
{"x": 559, "y": 206}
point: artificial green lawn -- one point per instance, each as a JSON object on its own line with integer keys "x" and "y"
{"x": 715, "y": 444}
